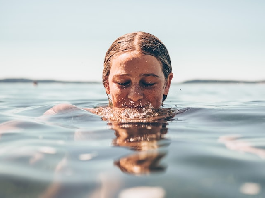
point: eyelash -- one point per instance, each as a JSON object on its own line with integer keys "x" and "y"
{"x": 144, "y": 84}
{"x": 147, "y": 84}
{"x": 124, "y": 83}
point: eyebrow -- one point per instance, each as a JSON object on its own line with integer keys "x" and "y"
{"x": 145, "y": 75}
{"x": 151, "y": 74}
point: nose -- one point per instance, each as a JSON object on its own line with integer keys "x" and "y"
{"x": 135, "y": 93}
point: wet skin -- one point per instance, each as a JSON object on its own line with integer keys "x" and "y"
{"x": 137, "y": 80}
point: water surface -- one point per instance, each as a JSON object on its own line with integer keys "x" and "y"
{"x": 214, "y": 149}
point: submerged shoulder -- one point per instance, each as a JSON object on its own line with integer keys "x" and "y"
{"x": 60, "y": 108}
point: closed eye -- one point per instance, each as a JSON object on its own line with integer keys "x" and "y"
{"x": 147, "y": 84}
{"x": 126, "y": 83}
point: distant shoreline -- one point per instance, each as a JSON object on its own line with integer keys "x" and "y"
{"x": 25, "y": 80}
{"x": 223, "y": 82}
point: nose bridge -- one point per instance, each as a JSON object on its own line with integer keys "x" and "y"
{"x": 136, "y": 92}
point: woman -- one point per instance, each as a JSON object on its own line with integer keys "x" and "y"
{"x": 137, "y": 74}
{"x": 137, "y": 71}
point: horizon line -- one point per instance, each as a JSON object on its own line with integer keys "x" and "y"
{"x": 194, "y": 81}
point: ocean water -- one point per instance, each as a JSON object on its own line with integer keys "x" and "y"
{"x": 214, "y": 148}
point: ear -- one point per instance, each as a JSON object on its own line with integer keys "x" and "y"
{"x": 106, "y": 85}
{"x": 168, "y": 83}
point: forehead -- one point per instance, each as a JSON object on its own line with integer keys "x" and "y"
{"x": 135, "y": 62}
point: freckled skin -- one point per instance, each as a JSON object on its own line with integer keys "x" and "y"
{"x": 137, "y": 80}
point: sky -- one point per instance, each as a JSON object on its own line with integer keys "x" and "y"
{"x": 68, "y": 39}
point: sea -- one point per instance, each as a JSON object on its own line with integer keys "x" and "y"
{"x": 214, "y": 147}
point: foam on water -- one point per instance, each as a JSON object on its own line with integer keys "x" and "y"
{"x": 136, "y": 114}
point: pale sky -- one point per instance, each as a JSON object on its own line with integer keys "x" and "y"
{"x": 68, "y": 39}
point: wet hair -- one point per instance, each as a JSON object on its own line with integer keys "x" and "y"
{"x": 143, "y": 42}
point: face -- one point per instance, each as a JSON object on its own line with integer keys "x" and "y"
{"x": 137, "y": 80}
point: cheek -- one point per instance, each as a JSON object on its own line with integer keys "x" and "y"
{"x": 117, "y": 93}
{"x": 154, "y": 96}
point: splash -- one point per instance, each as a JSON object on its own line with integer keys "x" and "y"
{"x": 135, "y": 114}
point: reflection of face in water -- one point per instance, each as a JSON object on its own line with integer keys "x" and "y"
{"x": 141, "y": 163}
{"x": 143, "y": 137}
{"x": 139, "y": 136}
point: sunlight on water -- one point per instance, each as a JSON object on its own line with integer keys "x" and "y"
{"x": 142, "y": 192}
{"x": 250, "y": 188}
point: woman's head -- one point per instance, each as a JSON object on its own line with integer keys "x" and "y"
{"x": 137, "y": 71}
